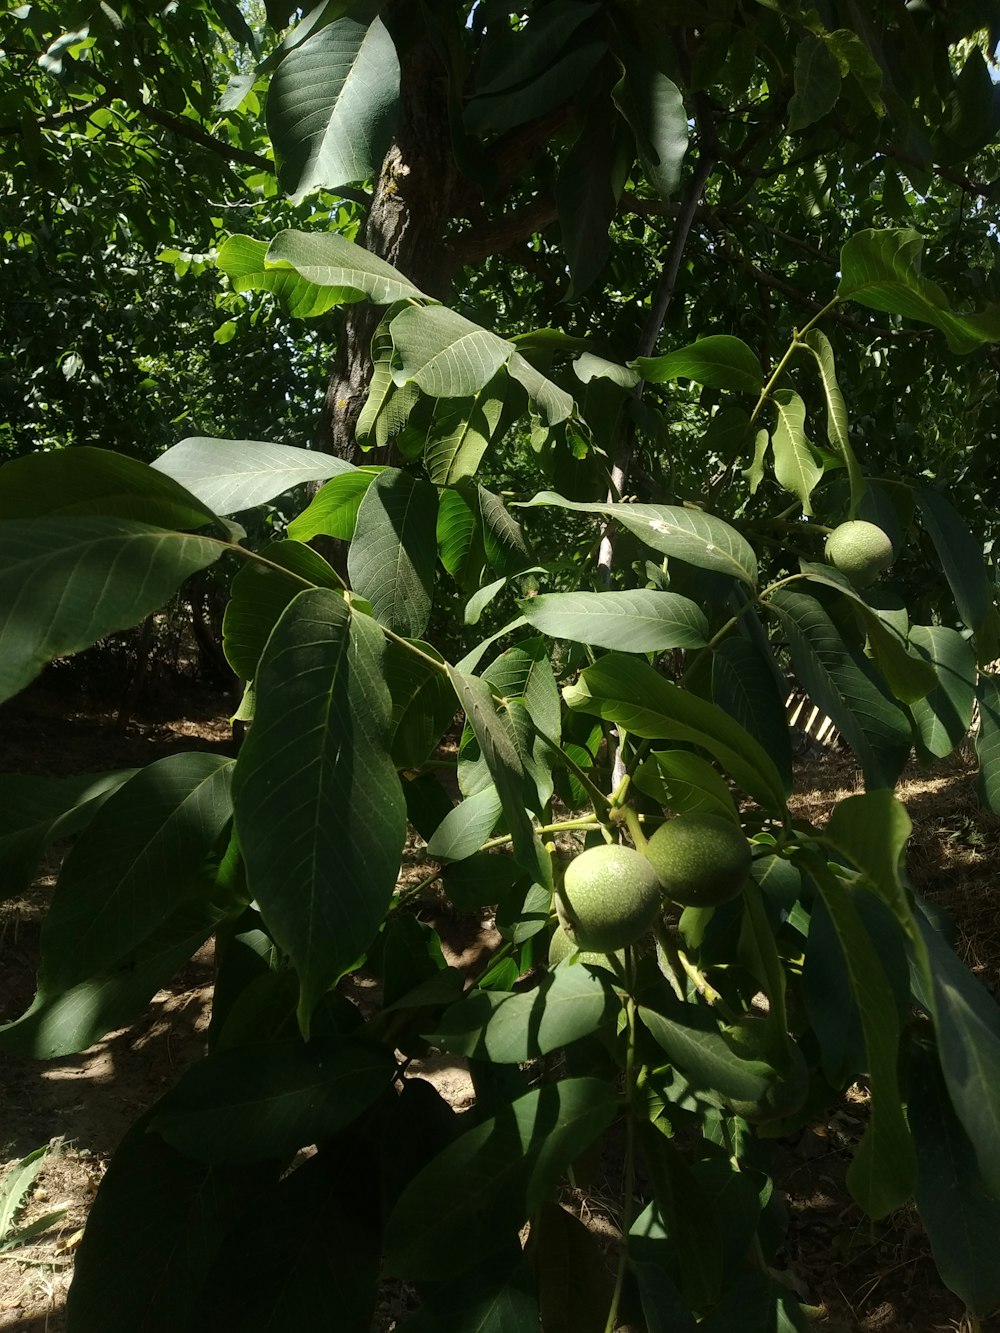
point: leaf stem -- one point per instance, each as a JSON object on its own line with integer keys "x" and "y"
{"x": 628, "y": 1186}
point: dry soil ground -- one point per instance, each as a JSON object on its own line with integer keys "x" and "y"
{"x": 876, "y": 1277}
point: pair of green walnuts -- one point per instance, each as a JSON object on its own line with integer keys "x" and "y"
{"x": 611, "y": 895}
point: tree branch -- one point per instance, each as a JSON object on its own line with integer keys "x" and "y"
{"x": 499, "y": 235}
{"x": 61, "y": 117}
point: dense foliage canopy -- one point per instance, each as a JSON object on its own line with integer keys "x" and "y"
{"x": 602, "y": 315}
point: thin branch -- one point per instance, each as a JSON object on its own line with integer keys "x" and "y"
{"x": 61, "y": 117}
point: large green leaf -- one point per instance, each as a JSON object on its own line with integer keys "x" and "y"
{"x": 497, "y": 1296}
{"x": 140, "y": 857}
{"x": 65, "y": 1022}
{"x": 747, "y": 685}
{"x": 65, "y": 583}
{"x": 460, "y": 434}
{"x": 706, "y": 1059}
{"x": 574, "y": 1283}
{"x": 842, "y": 683}
{"x": 504, "y": 541}
{"x": 988, "y": 740}
{"x": 553, "y": 403}
{"x": 331, "y": 106}
{"x": 654, "y": 108}
{"x": 466, "y": 826}
{"x": 961, "y": 1216}
{"x": 456, "y": 530}
{"x": 509, "y": 1028}
{"x": 423, "y": 702}
{"x": 495, "y": 733}
{"x": 330, "y": 260}
{"x": 881, "y": 269}
{"x": 688, "y": 534}
{"x": 474, "y": 1196}
{"x": 719, "y": 361}
{"x": 643, "y": 621}
{"x": 319, "y": 808}
{"x": 967, "y": 1022}
{"x": 883, "y": 1172}
{"x": 585, "y": 196}
{"x": 68, "y": 482}
{"x": 37, "y": 811}
{"x": 259, "y": 593}
{"x": 140, "y": 1268}
{"x": 686, "y": 783}
{"x": 961, "y": 557}
{"x": 244, "y": 262}
{"x": 870, "y": 831}
{"x": 230, "y": 475}
{"x": 837, "y": 430}
{"x": 254, "y": 1102}
{"x": 817, "y": 83}
{"x": 394, "y": 550}
{"x": 567, "y": 61}
{"x": 944, "y": 716}
{"x": 629, "y": 692}
{"x": 445, "y": 354}
{"x": 333, "y": 511}
{"x": 795, "y": 464}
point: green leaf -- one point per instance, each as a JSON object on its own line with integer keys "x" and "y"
{"x": 961, "y": 1216}
{"x": 475, "y": 1196}
{"x": 837, "y": 430}
{"x": 881, "y": 269}
{"x": 631, "y": 693}
{"x": 69, "y": 1021}
{"x": 331, "y": 106}
{"x": 685, "y": 783}
{"x": 141, "y": 1267}
{"x": 554, "y": 403}
{"x": 260, "y": 593}
{"x": 459, "y": 436}
{"x": 244, "y": 262}
{"x": 883, "y": 1172}
{"x": 643, "y": 621}
{"x": 944, "y": 716}
{"x": 256, "y": 1102}
{"x": 303, "y": 1257}
{"x": 967, "y": 1023}
{"x": 494, "y": 1297}
{"x": 988, "y": 740}
{"x": 456, "y": 528}
{"x": 392, "y": 556}
{"x": 494, "y": 732}
{"x": 423, "y": 703}
{"x": 687, "y": 534}
{"x": 842, "y": 683}
{"x": 82, "y": 480}
{"x": 718, "y": 361}
{"x": 17, "y": 1180}
{"x": 817, "y": 84}
{"x": 585, "y": 196}
{"x": 37, "y": 811}
{"x": 961, "y": 557}
{"x": 756, "y": 1303}
{"x": 871, "y": 831}
{"x": 908, "y": 676}
{"x": 574, "y": 1284}
{"x": 65, "y": 583}
{"x": 445, "y": 354}
{"x": 333, "y": 511}
{"x": 466, "y": 826}
{"x": 706, "y": 1059}
{"x": 654, "y": 108}
{"x": 327, "y": 259}
{"x": 589, "y": 367}
{"x": 140, "y": 857}
{"x": 568, "y": 64}
{"x": 510, "y": 1027}
{"x": 745, "y": 684}
{"x": 231, "y": 475}
{"x": 795, "y": 463}
{"x": 319, "y": 808}
{"x": 504, "y": 541}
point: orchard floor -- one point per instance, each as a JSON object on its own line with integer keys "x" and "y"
{"x": 874, "y": 1277}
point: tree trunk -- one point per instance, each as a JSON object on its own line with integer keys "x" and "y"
{"x": 413, "y": 199}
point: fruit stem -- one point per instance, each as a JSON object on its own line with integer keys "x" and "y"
{"x": 635, "y": 829}
{"x": 628, "y": 1187}
{"x": 679, "y": 962}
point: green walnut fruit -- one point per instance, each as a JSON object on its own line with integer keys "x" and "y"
{"x": 609, "y": 899}
{"x": 700, "y": 860}
{"x": 561, "y": 947}
{"x": 860, "y": 550}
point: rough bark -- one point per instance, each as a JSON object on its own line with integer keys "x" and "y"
{"x": 414, "y": 197}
